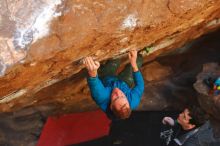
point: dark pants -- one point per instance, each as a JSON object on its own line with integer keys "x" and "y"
{"x": 111, "y": 66}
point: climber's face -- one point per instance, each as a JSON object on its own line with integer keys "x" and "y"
{"x": 119, "y": 104}
{"x": 184, "y": 120}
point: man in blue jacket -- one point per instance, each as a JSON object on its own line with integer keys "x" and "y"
{"x": 113, "y": 95}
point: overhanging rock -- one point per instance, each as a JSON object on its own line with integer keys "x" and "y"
{"x": 42, "y": 42}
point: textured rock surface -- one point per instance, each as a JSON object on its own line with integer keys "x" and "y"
{"x": 43, "y": 41}
{"x": 171, "y": 87}
{"x": 209, "y": 102}
{"x": 23, "y": 127}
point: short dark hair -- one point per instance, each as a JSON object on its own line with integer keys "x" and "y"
{"x": 199, "y": 116}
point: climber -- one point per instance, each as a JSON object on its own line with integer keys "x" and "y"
{"x": 116, "y": 95}
{"x": 191, "y": 128}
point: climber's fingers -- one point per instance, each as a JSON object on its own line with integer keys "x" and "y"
{"x": 97, "y": 64}
{"x": 133, "y": 53}
{"x": 90, "y": 64}
{"x": 87, "y": 63}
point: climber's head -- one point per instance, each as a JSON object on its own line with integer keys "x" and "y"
{"x": 119, "y": 104}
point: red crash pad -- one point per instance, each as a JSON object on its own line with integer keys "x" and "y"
{"x": 74, "y": 128}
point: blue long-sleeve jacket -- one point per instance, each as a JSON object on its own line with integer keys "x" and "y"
{"x": 101, "y": 90}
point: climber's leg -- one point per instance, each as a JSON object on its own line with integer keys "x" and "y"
{"x": 109, "y": 68}
{"x": 126, "y": 74}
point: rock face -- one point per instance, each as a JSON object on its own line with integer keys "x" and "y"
{"x": 42, "y": 43}
{"x": 23, "y": 127}
{"x": 209, "y": 101}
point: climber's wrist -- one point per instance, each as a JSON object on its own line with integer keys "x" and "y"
{"x": 135, "y": 68}
{"x": 92, "y": 74}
